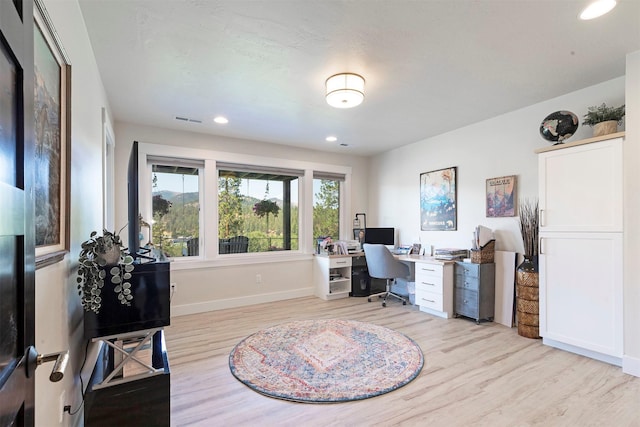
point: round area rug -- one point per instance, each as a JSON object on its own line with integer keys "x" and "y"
{"x": 322, "y": 361}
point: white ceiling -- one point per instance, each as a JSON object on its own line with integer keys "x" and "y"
{"x": 430, "y": 66}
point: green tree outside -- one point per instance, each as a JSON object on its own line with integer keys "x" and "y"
{"x": 326, "y": 210}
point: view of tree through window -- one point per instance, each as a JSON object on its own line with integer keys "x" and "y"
{"x": 257, "y": 212}
{"x": 326, "y": 208}
{"x": 176, "y": 210}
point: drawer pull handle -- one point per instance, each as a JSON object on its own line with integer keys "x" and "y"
{"x": 428, "y": 300}
{"x": 428, "y": 269}
{"x": 341, "y": 262}
{"x": 429, "y": 284}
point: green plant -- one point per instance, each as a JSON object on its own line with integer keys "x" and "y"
{"x": 266, "y": 207}
{"x": 602, "y": 113}
{"x": 96, "y": 254}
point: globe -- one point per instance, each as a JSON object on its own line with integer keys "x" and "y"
{"x": 559, "y": 126}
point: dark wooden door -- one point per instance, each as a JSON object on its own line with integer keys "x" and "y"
{"x": 17, "y": 254}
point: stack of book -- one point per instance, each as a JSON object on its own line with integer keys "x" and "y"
{"x": 451, "y": 253}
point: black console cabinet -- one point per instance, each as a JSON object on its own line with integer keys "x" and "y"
{"x": 141, "y": 402}
{"x": 121, "y": 391}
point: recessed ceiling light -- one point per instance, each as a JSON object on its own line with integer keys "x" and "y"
{"x": 331, "y": 139}
{"x": 221, "y": 120}
{"x": 597, "y": 9}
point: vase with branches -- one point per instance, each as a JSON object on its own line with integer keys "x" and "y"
{"x": 527, "y": 276}
{"x": 528, "y": 219}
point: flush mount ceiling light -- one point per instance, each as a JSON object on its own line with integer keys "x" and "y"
{"x": 221, "y": 120}
{"x": 345, "y": 90}
{"x": 597, "y": 9}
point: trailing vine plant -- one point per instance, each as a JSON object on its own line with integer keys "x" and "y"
{"x": 97, "y": 254}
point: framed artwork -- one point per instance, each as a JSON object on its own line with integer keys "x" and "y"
{"x": 438, "y": 208}
{"x": 52, "y": 112}
{"x": 501, "y": 196}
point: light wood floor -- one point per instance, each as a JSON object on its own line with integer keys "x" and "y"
{"x": 474, "y": 375}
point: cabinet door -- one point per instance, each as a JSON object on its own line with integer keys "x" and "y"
{"x": 581, "y": 290}
{"x": 580, "y": 188}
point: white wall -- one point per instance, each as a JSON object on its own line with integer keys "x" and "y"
{"x": 58, "y": 311}
{"x": 203, "y": 286}
{"x": 631, "y": 359}
{"x": 500, "y": 146}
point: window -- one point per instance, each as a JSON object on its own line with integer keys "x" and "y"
{"x": 326, "y": 205}
{"x": 229, "y": 208}
{"x": 176, "y": 207}
{"x": 257, "y": 209}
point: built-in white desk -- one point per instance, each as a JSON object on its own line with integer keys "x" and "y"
{"x": 434, "y": 283}
{"x": 433, "y": 280}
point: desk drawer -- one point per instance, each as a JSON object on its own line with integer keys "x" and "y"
{"x": 468, "y": 269}
{"x": 466, "y": 282}
{"x": 429, "y": 284}
{"x": 429, "y": 300}
{"x": 467, "y": 303}
{"x": 340, "y": 262}
{"x": 428, "y": 269}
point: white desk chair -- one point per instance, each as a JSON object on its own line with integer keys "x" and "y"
{"x": 383, "y": 265}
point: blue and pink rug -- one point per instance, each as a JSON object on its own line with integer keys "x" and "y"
{"x": 323, "y": 361}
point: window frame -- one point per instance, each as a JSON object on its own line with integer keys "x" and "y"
{"x": 167, "y": 161}
{"x": 208, "y": 185}
{"x": 265, "y": 170}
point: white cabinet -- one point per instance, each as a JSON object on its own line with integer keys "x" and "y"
{"x": 434, "y": 287}
{"x": 580, "y": 259}
{"x": 581, "y": 188}
{"x": 332, "y": 276}
{"x": 581, "y": 291}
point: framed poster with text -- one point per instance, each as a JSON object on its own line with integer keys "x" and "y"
{"x": 438, "y": 209}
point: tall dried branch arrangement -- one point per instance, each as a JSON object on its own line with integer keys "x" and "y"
{"x": 528, "y": 215}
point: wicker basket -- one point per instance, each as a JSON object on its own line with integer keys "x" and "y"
{"x": 527, "y": 303}
{"x": 528, "y": 331}
{"x": 485, "y": 254}
{"x": 527, "y": 293}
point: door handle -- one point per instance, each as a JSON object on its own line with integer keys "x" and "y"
{"x": 34, "y": 359}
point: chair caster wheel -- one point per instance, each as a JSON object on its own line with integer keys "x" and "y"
{"x": 384, "y": 304}
{"x": 404, "y": 303}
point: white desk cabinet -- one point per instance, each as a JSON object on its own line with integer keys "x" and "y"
{"x": 434, "y": 288}
{"x": 580, "y": 247}
{"x": 332, "y": 276}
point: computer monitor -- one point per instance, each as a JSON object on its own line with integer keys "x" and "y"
{"x": 381, "y": 235}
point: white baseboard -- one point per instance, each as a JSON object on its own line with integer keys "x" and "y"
{"x": 583, "y": 352}
{"x": 631, "y": 365}
{"x": 205, "y": 306}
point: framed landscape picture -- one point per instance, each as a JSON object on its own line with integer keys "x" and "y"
{"x": 52, "y": 134}
{"x": 438, "y": 209}
{"x": 501, "y": 196}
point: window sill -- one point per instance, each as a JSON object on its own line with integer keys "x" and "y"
{"x": 239, "y": 259}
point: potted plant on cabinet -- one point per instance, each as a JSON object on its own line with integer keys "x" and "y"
{"x": 98, "y": 254}
{"x": 603, "y": 119}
